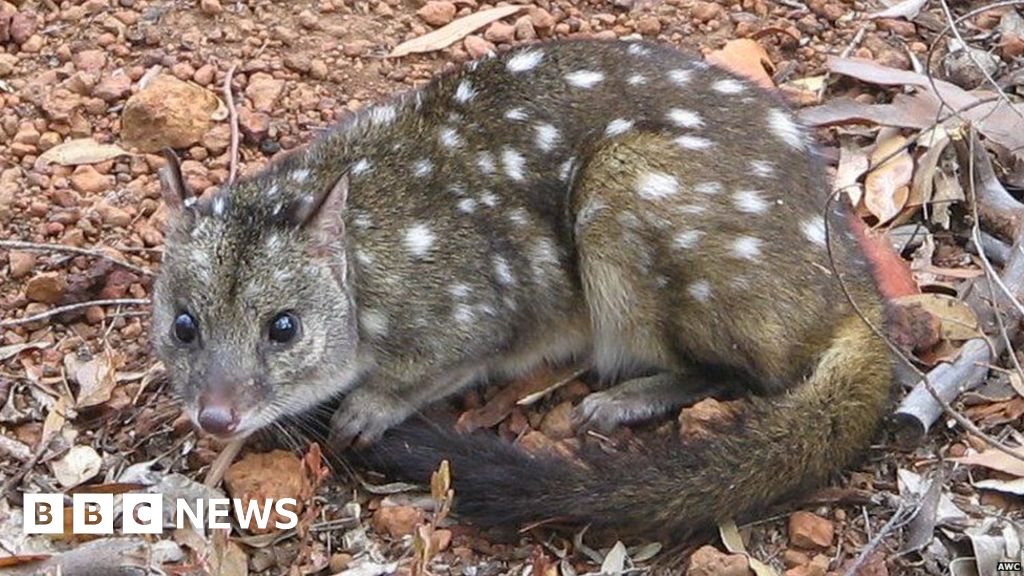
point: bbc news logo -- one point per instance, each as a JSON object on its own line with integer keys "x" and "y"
{"x": 144, "y": 513}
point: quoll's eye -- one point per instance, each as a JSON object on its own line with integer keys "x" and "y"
{"x": 284, "y": 328}
{"x": 186, "y": 328}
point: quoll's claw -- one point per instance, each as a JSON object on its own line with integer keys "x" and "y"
{"x": 361, "y": 420}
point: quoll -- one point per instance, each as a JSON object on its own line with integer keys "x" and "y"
{"x": 619, "y": 203}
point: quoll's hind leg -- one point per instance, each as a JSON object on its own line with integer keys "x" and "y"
{"x": 641, "y": 399}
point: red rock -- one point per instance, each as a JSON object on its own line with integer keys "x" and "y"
{"x": 541, "y": 18}
{"x": 808, "y": 530}
{"x": 253, "y": 125}
{"x": 524, "y": 29}
{"x": 113, "y": 88}
{"x": 204, "y": 75}
{"x": 167, "y": 112}
{"x": 46, "y": 287}
{"x": 112, "y": 215}
{"x": 89, "y": 60}
{"x": 649, "y": 26}
{"x": 709, "y": 561}
{"x": 500, "y": 33}
{"x": 210, "y": 7}
{"x": 7, "y": 64}
{"x": 87, "y": 180}
{"x": 264, "y": 91}
{"x": 397, "y": 521}
{"x": 437, "y": 12}
{"x": 705, "y": 11}
{"x": 27, "y": 134}
{"x": 23, "y": 25}
{"x": 477, "y": 47}
{"x": 21, "y": 263}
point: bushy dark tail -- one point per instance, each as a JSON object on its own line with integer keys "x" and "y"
{"x": 782, "y": 444}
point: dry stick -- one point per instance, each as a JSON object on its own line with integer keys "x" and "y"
{"x": 233, "y": 122}
{"x": 73, "y": 307}
{"x": 904, "y": 513}
{"x": 222, "y": 461}
{"x": 42, "y": 247}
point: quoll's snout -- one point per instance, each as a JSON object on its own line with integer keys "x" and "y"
{"x": 217, "y": 417}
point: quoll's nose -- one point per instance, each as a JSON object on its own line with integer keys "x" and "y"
{"x": 218, "y": 419}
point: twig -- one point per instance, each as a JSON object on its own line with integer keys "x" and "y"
{"x": 233, "y": 122}
{"x": 73, "y": 307}
{"x": 41, "y": 247}
{"x": 904, "y": 513}
{"x": 222, "y": 461}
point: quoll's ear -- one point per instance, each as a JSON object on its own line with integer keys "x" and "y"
{"x": 322, "y": 213}
{"x": 176, "y": 194}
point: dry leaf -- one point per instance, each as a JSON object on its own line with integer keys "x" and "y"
{"x": 958, "y": 321}
{"x": 996, "y": 460}
{"x": 453, "y": 32}
{"x": 887, "y": 185}
{"x": 907, "y": 9}
{"x": 746, "y": 58}
{"x": 96, "y": 378}
{"x": 79, "y": 464}
{"x": 853, "y": 163}
{"x": 13, "y": 350}
{"x": 734, "y": 543}
{"x": 80, "y": 151}
{"x": 500, "y": 406}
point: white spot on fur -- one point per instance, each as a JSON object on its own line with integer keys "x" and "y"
{"x": 693, "y": 142}
{"x": 362, "y": 221}
{"x": 467, "y": 205}
{"x": 519, "y": 217}
{"x": 513, "y": 163}
{"x": 450, "y": 138}
{"x": 762, "y": 168}
{"x": 685, "y": 118}
{"x": 489, "y": 199}
{"x": 636, "y": 80}
{"x": 728, "y": 86}
{"x": 749, "y": 201}
{"x": 516, "y": 114}
{"x": 638, "y": 50}
{"x": 565, "y": 170}
{"x": 360, "y": 167}
{"x": 709, "y": 188}
{"x": 680, "y": 76}
{"x": 700, "y": 290}
{"x": 464, "y": 92}
{"x": 814, "y": 230}
{"x": 785, "y": 128}
{"x": 688, "y": 239}
{"x": 301, "y": 175}
{"x": 374, "y": 322}
{"x": 547, "y": 135}
{"x": 422, "y": 168}
{"x": 463, "y": 314}
{"x": 584, "y": 78}
{"x": 366, "y": 259}
{"x": 524, "y": 61}
{"x": 419, "y": 240}
{"x": 382, "y": 115}
{"x": 272, "y": 190}
{"x": 656, "y": 185}
{"x": 459, "y": 290}
{"x": 618, "y": 126}
{"x": 746, "y": 247}
{"x": 502, "y": 271}
{"x": 485, "y": 162}
{"x": 219, "y": 205}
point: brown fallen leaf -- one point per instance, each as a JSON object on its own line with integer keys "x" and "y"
{"x": 957, "y": 320}
{"x": 853, "y": 163}
{"x": 746, "y": 58}
{"x": 887, "y": 185}
{"x": 453, "y": 32}
{"x": 96, "y": 378}
{"x": 500, "y": 406}
{"x": 995, "y": 460}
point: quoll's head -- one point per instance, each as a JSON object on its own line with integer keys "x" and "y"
{"x": 252, "y": 314}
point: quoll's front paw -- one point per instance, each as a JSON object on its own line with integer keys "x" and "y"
{"x": 363, "y": 417}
